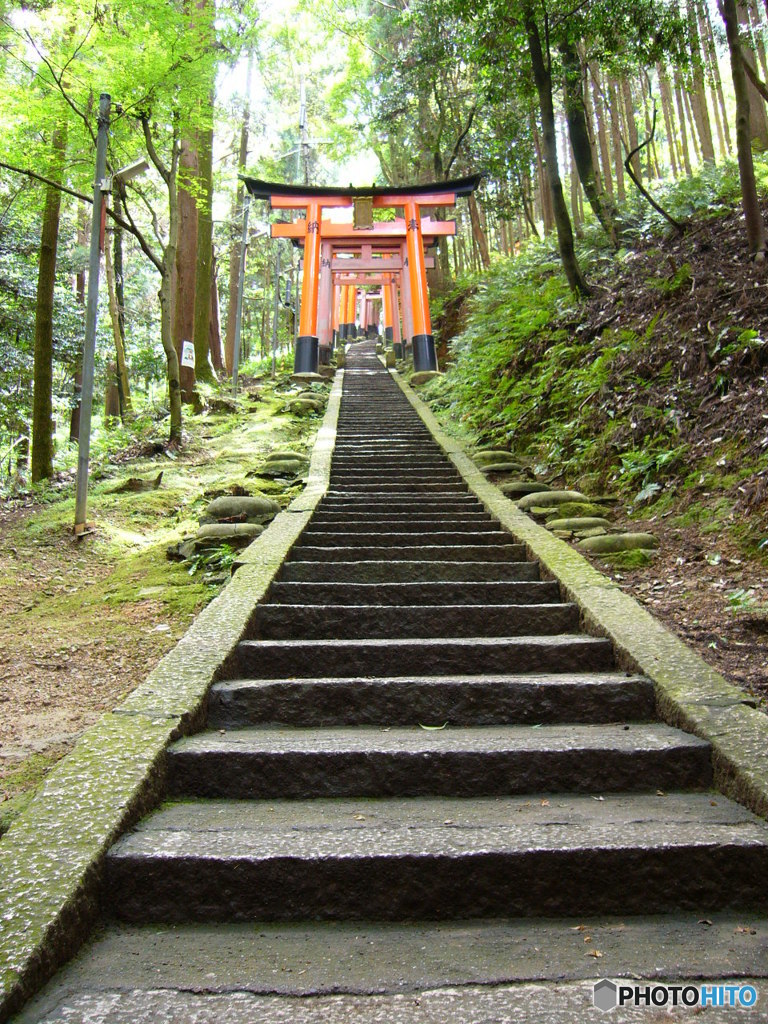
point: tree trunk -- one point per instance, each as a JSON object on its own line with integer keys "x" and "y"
{"x": 581, "y": 148}
{"x": 669, "y": 117}
{"x": 545, "y": 198}
{"x": 753, "y": 217}
{"x": 618, "y": 159}
{"x": 183, "y": 303}
{"x": 714, "y": 67}
{"x": 214, "y": 338}
{"x": 602, "y": 134}
{"x": 699, "y": 91}
{"x": 112, "y": 397}
{"x": 758, "y": 123}
{"x": 121, "y": 369}
{"x": 543, "y": 79}
{"x": 629, "y": 116}
{"x": 77, "y": 382}
{"x": 478, "y": 234}
{"x": 204, "y": 265}
{"x": 42, "y": 393}
{"x": 685, "y": 152}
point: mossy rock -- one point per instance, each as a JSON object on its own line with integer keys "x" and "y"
{"x": 519, "y": 488}
{"x": 312, "y": 396}
{"x": 576, "y": 510}
{"x": 236, "y": 534}
{"x": 490, "y": 455}
{"x": 501, "y": 467}
{"x": 286, "y": 454}
{"x": 240, "y": 509}
{"x": 578, "y": 523}
{"x": 283, "y": 467}
{"x": 307, "y": 378}
{"x": 304, "y": 406}
{"x": 422, "y": 376}
{"x": 390, "y": 359}
{"x": 547, "y": 499}
{"x": 326, "y": 372}
{"x": 637, "y": 558}
{"x": 590, "y": 531}
{"x": 614, "y": 542}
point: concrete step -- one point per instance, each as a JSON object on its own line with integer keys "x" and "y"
{"x": 268, "y": 659}
{"x": 341, "y": 621}
{"x": 251, "y": 763}
{"x": 429, "y": 858}
{"x": 317, "y": 537}
{"x": 409, "y": 571}
{"x": 342, "y": 551}
{"x": 449, "y": 487}
{"x": 420, "y": 505}
{"x": 455, "y": 700}
{"x": 415, "y": 594}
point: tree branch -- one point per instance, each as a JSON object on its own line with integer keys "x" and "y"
{"x": 761, "y": 87}
{"x": 154, "y": 156}
{"x": 646, "y": 195}
{"x": 462, "y": 136}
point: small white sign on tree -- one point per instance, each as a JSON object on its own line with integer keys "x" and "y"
{"x": 188, "y": 354}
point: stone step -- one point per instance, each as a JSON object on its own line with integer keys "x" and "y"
{"x": 268, "y": 659}
{"x": 403, "y": 486}
{"x": 408, "y": 524}
{"x": 344, "y": 552}
{"x": 416, "y": 972}
{"x": 353, "y": 478}
{"x": 397, "y": 859}
{"x": 356, "y": 622}
{"x": 318, "y": 537}
{"x": 252, "y": 763}
{"x": 421, "y": 505}
{"x": 415, "y": 594}
{"x": 387, "y": 571}
{"x": 456, "y": 700}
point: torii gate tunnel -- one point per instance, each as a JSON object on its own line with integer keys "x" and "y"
{"x": 338, "y": 257}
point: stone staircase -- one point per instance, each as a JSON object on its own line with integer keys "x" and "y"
{"x": 418, "y": 731}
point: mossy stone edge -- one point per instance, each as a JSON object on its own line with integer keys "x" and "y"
{"x": 51, "y": 859}
{"x": 689, "y": 694}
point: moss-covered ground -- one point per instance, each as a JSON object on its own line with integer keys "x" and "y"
{"x": 84, "y": 621}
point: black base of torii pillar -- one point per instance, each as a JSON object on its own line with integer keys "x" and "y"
{"x": 307, "y": 356}
{"x": 424, "y": 354}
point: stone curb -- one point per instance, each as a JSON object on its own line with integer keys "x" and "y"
{"x": 689, "y": 694}
{"x": 51, "y": 858}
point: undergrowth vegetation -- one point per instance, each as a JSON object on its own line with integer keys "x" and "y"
{"x": 654, "y": 388}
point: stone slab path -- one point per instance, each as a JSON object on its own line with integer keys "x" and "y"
{"x": 423, "y": 794}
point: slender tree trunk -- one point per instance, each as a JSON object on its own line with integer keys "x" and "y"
{"x": 478, "y": 234}
{"x": 758, "y": 121}
{"x": 581, "y": 148}
{"x": 543, "y": 78}
{"x": 121, "y": 369}
{"x": 237, "y": 216}
{"x": 185, "y": 261}
{"x": 757, "y": 36}
{"x": 714, "y": 66}
{"x": 692, "y": 122}
{"x": 633, "y": 139}
{"x": 756, "y": 238}
{"x": 602, "y": 134}
{"x": 204, "y": 264}
{"x": 699, "y": 90}
{"x": 42, "y": 394}
{"x": 545, "y": 197}
{"x": 669, "y": 117}
{"x": 77, "y": 383}
{"x": 618, "y": 159}
{"x": 214, "y": 339}
{"x": 685, "y": 152}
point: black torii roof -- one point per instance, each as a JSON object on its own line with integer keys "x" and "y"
{"x": 265, "y": 189}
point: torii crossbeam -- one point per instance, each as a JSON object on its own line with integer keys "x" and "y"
{"x": 405, "y": 236}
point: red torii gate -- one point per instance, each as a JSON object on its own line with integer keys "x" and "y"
{"x": 409, "y": 231}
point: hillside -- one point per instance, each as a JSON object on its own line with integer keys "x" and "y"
{"x": 654, "y": 390}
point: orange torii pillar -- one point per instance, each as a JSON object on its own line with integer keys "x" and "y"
{"x": 424, "y": 355}
{"x": 324, "y": 327}
{"x": 308, "y": 344}
{"x": 336, "y": 322}
{"x": 406, "y": 307}
{"x": 351, "y": 312}
{"x": 397, "y": 337}
{"x": 386, "y": 290}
